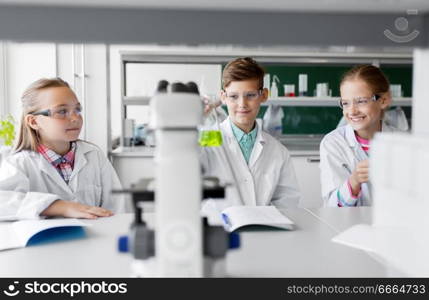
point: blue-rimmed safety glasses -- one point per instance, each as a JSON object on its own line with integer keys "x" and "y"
{"x": 60, "y": 112}
{"x": 358, "y": 101}
{"x": 250, "y": 95}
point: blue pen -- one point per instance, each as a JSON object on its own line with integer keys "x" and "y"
{"x": 347, "y": 168}
{"x": 226, "y": 219}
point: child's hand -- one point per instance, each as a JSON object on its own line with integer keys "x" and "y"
{"x": 210, "y": 104}
{"x": 68, "y": 209}
{"x": 360, "y": 175}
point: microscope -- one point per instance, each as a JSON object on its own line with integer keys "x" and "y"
{"x": 182, "y": 244}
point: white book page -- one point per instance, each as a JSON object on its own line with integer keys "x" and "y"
{"x": 17, "y": 234}
{"x": 239, "y": 216}
{"x": 8, "y": 238}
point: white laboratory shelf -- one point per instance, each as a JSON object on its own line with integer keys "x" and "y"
{"x": 285, "y": 101}
{"x": 324, "y": 101}
{"x": 136, "y": 100}
{"x": 136, "y": 151}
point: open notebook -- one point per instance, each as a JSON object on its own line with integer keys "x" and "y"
{"x": 236, "y": 217}
{"x": 24, "y": 233}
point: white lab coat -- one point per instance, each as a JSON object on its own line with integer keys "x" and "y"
{"x": 29, "y": 183}
{"x": 269, "y": 178}
{"x": 339, "y": 148}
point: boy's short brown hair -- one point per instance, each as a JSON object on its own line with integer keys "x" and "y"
{"x": 240, "y": 69}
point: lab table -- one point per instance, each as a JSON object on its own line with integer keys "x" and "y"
{"x": 306, "y": 251}
{"x": 342, "y": 218}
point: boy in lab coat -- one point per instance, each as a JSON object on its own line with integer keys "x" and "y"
{"x": 261, "y": 167}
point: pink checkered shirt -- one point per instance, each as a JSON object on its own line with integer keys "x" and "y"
{"x": 63, "y": 164}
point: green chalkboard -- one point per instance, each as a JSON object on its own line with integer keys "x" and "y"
{"x": 308, "y": 120}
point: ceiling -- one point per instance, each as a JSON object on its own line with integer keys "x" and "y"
{"x": 336, "y": 6}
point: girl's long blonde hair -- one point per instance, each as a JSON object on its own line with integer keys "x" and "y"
{"x": 28, "y": 138}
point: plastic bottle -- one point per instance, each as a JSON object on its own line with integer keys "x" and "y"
{"x": 302, "y": 85}
{"x": 129, "y": 125}
{"x": 267, "y": 81}
{"x": 289, "y": 90}
{"x": 274, "y": 92}
{"x": 273, "y": 120}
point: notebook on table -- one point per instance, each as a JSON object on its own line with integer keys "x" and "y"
{"x": 18, "y": 234}
{"x": 262, "y": 217}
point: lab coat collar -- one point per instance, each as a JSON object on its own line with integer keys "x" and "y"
{"x": 47, "y": 168}
{"x": 354, "y": 144}
{"x": 239, "y": 134}
{"x": 80, "y": 161}
{"x": 232, "y": 143}
{"x": 258, "y": 146}
{"x": 226, "y": 127}
{"x": 351, "y": 137}
{"x": 229, "y": 139}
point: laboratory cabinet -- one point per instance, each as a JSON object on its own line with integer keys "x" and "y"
{"x": 133, "y": 164}
{"x": 308, "y": 177}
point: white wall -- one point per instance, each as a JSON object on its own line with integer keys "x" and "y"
{"x": 96, "y": 96}
{"x": 142, "y": 79}
{"x": 3, "y": 93}
{"x": 25, "y": 63}
{"x": 115, "y": 86}
{"x": 65, "y": 63}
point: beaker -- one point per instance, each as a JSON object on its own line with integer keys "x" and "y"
{"x": 209, "y": 132}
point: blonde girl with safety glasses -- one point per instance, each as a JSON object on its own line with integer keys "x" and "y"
{"x": 344, "y": 152}
{"x": 52, "y": 172}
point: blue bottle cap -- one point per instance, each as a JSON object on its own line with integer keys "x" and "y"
{"x": 123, "y": 244}
{"x": 234, "y": 240}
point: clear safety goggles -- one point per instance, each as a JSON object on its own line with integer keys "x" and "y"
{"x": 250, "y": 95}
{"x": 358, "y": 101}
{"x": 60, "y": 113}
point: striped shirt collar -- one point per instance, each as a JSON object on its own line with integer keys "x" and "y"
{"x": 63, "y": 164}
{"x": 54, "y": 158}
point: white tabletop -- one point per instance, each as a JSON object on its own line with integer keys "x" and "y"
{"x": 304, "y": 252}
{"x": 341, "y": 218}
